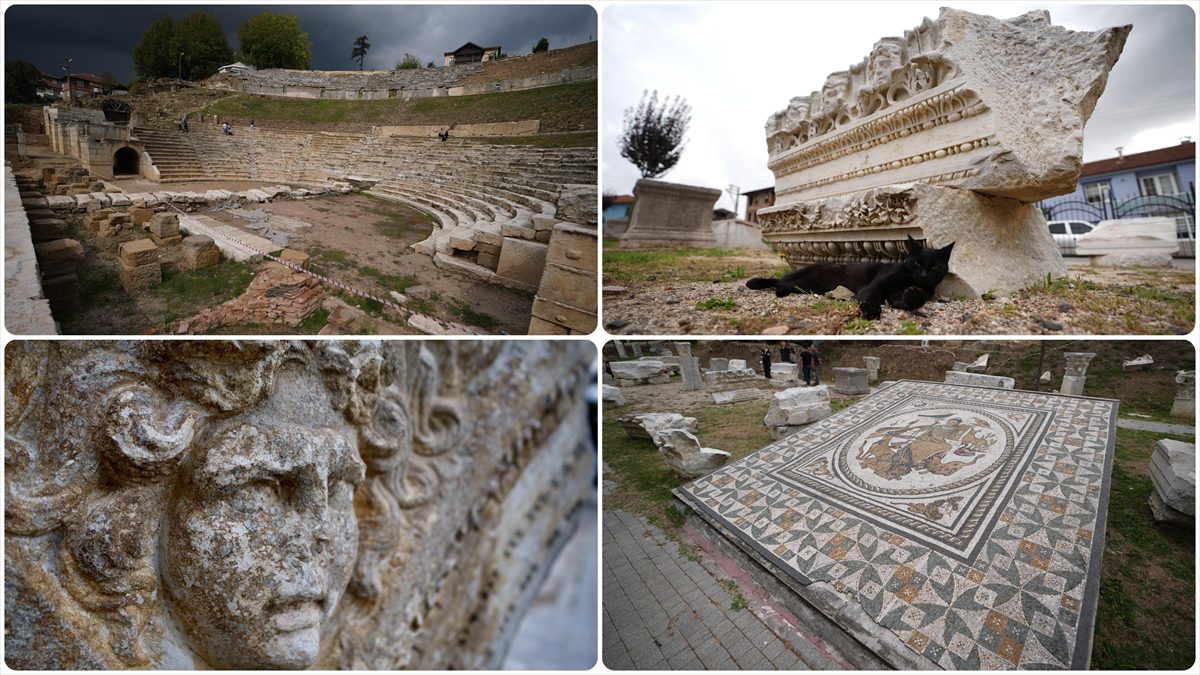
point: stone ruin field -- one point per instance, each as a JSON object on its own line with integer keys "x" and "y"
{"x": 1146, "y": 564}
{"x": 333, "y": 217}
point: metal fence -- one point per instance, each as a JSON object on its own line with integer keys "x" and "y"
{"x": 1180, "y": 207}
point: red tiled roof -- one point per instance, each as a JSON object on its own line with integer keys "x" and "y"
{"x": 623, "y": 199}
{"x": 1140, "y": 159}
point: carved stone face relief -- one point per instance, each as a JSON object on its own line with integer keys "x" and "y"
{"x": 284, "y": 505}
{"x": 261, "y": 542}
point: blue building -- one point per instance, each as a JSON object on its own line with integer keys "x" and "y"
{"x": 1155, "y": 183}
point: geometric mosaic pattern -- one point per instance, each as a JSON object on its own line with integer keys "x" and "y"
{"x": 969, "y": 521}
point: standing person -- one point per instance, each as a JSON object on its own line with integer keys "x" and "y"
{"x": 786, "y": 354}
{"x": 766, "y": 361}
{"x": 816, "y": 364}
{"x": 806, "y": 365}
{"x": 251, "y": 125}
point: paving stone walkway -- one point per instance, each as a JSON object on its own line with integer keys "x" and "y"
{"x": 663, "y": 611}
{"x": 1159, "y": 427}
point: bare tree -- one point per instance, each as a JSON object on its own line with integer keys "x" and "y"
{"x": 654, "y": 135}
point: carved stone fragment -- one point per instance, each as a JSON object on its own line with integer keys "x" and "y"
{"x": 274, "y": 504}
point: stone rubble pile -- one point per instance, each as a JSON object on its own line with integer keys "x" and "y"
{"x": 275, "y": 296}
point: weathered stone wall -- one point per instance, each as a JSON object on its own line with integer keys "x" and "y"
{"x": 272, "y": 504}
{"x": 518, "y": 128}
{"x": 353, "y": 85}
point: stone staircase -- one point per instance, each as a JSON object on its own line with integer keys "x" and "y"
{"x": 172, "y": 154}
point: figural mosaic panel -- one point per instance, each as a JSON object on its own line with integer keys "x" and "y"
{"x": 967, "y": 520}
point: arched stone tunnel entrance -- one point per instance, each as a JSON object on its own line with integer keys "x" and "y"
{"x": 125, "y": 162}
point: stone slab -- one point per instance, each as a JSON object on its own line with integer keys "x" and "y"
{"x": 822, "y": 504}
{"x": 670, "y": 214}
{"x": 979, "y": 380}
{"x": 523, "y": 261}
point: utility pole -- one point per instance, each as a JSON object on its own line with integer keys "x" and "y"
{"x": 181, "y": 65}
{"x": 735, "y": 192}
{"x": 67, "y": 67}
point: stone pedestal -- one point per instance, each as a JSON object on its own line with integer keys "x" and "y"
{"x": 668, "y": 214}
{"x": 872, "y": 363}
{"x": 139, "y": 265}
{"x": 850, "y": 381}
{"x": 718, "y": 364}
{"x": 1076, "y": 374}
{"x": 979, "y": 380}
{"x": 199, "y": 251}
{"x": 792, "y": 408}
{"x": 620, "y": 347}
{"x": 1173, "y": 473}
{"x": 1000, "y": 244}
{"x": 689, "y": 370}
{"x": 1185, "y": 397}
{"x": 785, "y": 372}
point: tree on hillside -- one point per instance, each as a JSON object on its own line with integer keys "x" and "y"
{"x": 541, "y": 46}
{"x": 202, "y": 41}
{"x": 274, "y": 40}
{"x": 653, "y": 138}
{"x": 360, "y": 50}
{"x": 154, "y": 55}
{"x": 21, "y": 82}
{"x": 410, "y": 62}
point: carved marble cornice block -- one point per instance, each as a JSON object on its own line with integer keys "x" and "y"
{"x": 670, "y": 214}
{"x": 273, "y": 504}
{"x": 999, "y": 244}
{"x": 970, "y": 101}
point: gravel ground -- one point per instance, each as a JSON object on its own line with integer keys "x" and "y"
{"x": 1088, "y": 302}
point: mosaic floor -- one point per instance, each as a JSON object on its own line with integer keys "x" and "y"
{"x": 967, "y": 520}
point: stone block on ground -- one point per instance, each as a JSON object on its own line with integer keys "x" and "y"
{"x": 199, "y": 251}
{"x": 1140, "y": 363}
{"x": 1173, "y": 473}
{"x": 850, "y": 381}
{"x": 636, "y": 370}
{"x": 685, "y": 456}
{"x": 612, "y": 396}
{"x": 798, "y": 405}
{"x": 141, "y": 216}
{"x": 137, "y": 252}
{"x": 979, "y": 380}
{"x": 58, "y": 257}
{"x": 648, "y": 425}
{"x": 136, "y": 278}
{"x": 522, "y": 260}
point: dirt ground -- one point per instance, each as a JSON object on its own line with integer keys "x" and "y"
{"x": 696, "y": 292}
{"x": 365, "y": 241}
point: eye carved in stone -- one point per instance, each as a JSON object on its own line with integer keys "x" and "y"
{"x": 149, "y": 434}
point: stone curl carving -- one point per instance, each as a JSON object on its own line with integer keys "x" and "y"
{"x": 876, "y": 208}
{"x": 272, "y": 504}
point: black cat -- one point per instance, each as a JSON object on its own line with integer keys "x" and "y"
{"x": 905, "y": 285}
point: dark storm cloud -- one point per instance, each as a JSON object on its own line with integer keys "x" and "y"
{"x": 101, "y": 37}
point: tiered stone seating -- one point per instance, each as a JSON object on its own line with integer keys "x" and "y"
{"x": 477, "y": 192}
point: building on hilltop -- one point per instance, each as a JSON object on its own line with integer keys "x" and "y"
{"x": 50, "y": 86}
{"x": 84, "y": 85}
{"x": 472, "y": 53}
{"x": 238, "y": 68}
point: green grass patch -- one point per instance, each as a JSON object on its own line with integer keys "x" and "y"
{"x": 464, "y": 313}
{"x": 564, "y": 107}
{"x": 909, "y": 328}
{"x": 725, "y": 304}
{"x": 185, "y": 292}
{"x": 315, "y": 321}
{"x": 677, "y": 264}
{"x": 1146, "y": 617}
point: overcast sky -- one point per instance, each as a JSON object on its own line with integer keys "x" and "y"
{"x": 737, "y": 64}
{"x": 101, "y": 38}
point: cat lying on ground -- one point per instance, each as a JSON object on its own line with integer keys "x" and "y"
{"x": 905, "y": 285}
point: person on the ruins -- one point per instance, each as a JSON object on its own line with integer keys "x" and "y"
{"x": 787, "y": 354}
{"x": 251, "y": 125}
{"x": 806, "y": 365}
{"x": 766, "y": 361}
{"x": 183, "y": 124}
{"x": 443, "y": 135}
{"x": 226, "y": 129}
{"x": 816, "y": 364}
